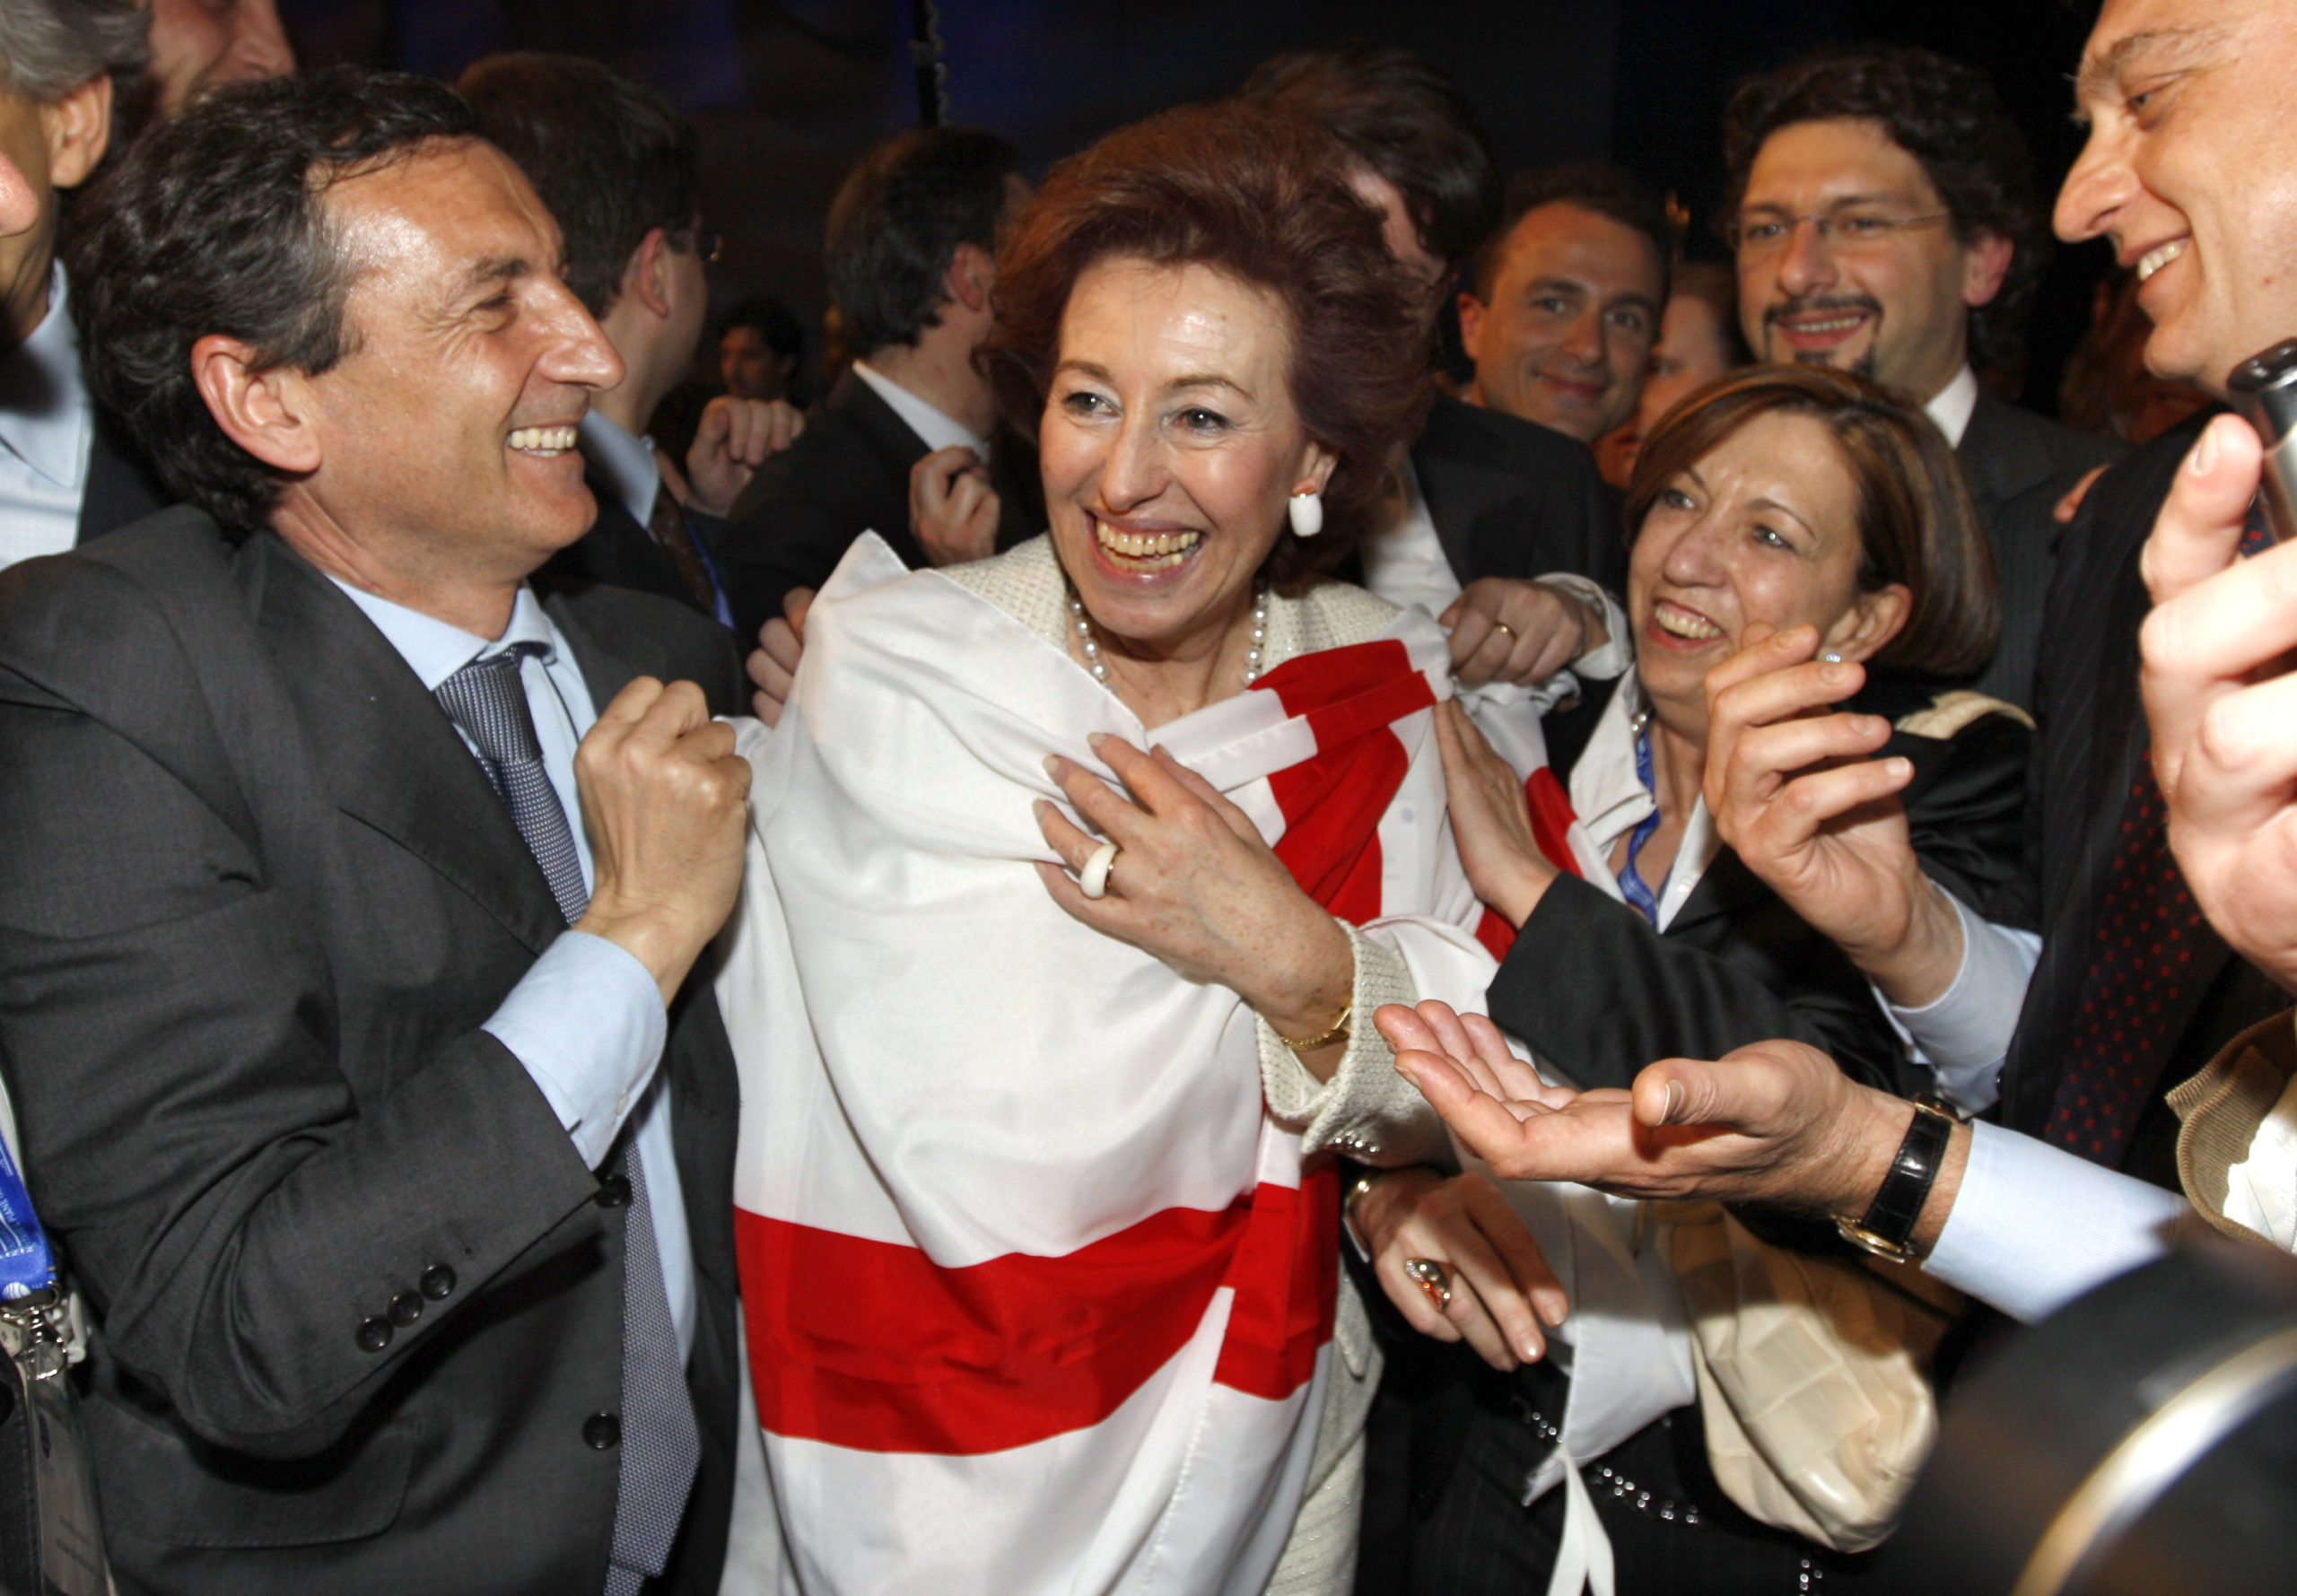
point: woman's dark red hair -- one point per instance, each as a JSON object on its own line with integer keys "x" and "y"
{"x": 1257, "y": 195}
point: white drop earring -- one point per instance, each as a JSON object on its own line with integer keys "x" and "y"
{"x": 1306, "y": 512}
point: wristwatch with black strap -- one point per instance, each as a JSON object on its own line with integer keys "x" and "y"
{"x": 1887, "y": 1228}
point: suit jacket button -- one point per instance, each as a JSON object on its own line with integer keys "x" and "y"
{"x": 602, "y": 1430}
{"x": 437, "y": 1282}
{"x": 374, "y": 1335}
{"x": 406, "y": 1309}
{"x": 614, "y": 1192}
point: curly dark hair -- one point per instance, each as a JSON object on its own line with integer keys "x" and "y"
{"x": 895, "y": 224}
{"x": 1947, "y": 116}
{"x": 1916, "y": 521}
{"x": 611, "y": 159}
{"x": 1256, "y": 193}
{"x": 1399, "y": 115}
{"x": 216, "y": 222}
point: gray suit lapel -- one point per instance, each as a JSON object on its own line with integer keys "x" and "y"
{"x": 389, "y": 756}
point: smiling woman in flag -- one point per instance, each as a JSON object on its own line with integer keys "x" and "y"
{"x": 1070, "y": 872}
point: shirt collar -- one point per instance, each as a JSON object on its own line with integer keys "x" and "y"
{"x": 626, "y": 461}
{"x": 1951, "y": 405}
{"x": 1611, "y": 799}
{"x": 936, "y": 426}
{"x": 43, "y": 411}
{"x": 1606, "y": 794}
{"x": 435, "y": 650}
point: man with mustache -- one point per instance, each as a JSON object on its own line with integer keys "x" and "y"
{"x": 2164, "y": 798}
{"x": 1882, "y": 210}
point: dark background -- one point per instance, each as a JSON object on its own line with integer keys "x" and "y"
{"x": 787, "y": 94}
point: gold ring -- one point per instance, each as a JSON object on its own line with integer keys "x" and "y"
{"x": 1503, "y": 626}
{"x": 1433, "y": 1278}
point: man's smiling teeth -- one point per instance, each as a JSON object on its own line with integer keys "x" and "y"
{"x": 1833, "y": 324}
{"x": 543, "y": 440}
{"x": 2160, "y": 255}
{"x": 1682, "y": 623}
{"x": 1164, "y": 549}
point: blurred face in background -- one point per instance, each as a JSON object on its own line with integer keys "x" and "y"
{"x": 1694, "y": 348}
{"x": 1564, "y": 335}
{"x": 197, "y": 45}
{"x": 751, "y": 368}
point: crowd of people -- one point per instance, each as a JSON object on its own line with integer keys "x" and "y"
{"x": 1161, "y": 944}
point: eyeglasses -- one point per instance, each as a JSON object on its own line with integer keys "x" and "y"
{"x": 1847, "y": 231}
{"x": 708, "y": 243}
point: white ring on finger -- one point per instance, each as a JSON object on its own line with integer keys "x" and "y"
{"x": 1093, "y": 880}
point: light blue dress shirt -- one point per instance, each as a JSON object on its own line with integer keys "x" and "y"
{"x": 47, "y": 423}
{"x": 587, "y": 1019}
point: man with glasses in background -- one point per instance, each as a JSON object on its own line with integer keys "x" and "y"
{"x": 1881, "y": 206}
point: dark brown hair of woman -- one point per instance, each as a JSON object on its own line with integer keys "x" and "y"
{"x": 1916, "y": 522}
{"x": 1257, "y": 195}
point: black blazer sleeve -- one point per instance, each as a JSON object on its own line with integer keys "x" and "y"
{"x": 1592, "y": 987}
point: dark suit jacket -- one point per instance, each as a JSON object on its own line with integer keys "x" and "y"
{"x": 1512, "y": 498}
{"x": 2092, "y": 738}
{"x": 242, "y": 974}
{"x": 121, "y": 486}
{"x": 2019, "y": 466}
{"x": 1591, "y": 985}
{"x": 619, "y": 552}
{"x": 847, "y": 474}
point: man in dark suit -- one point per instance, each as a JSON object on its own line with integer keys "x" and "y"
{"x": 66, "y": 472}
{"x": 618, "y": 168}
{"x": 1882, "y": 210}
{"x": 2131, "y": 991}
{"x": 403, "y": 1207}
{"x": 910, "y": 256}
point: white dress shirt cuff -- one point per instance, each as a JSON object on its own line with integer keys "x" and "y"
{"x": 1615, "y": 654}
{"x": 2034, "y": 1226}
{"x": 586, "y": 1022}
{"x": 1963, "y": 1033}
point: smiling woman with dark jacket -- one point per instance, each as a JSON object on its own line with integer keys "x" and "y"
{"x": 1780, "y": 497}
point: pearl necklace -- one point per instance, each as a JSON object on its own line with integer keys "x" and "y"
{"x": 1100, "y": 666}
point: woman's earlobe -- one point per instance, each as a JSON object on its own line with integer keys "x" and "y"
{"x": 1881, "y": 614}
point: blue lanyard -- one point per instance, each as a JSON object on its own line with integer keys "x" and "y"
{"x": 1632, "y": 885}
{"x": 26, "y": 1264}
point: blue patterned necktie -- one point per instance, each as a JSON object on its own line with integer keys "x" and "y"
{"x": 661, "y": 1446}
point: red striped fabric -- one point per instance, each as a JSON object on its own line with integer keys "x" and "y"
{"x": 872, "y": 1346}
{"x": 1551, "y": 823}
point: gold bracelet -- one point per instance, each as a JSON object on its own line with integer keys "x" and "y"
{"x": 1338, "y": 1033}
